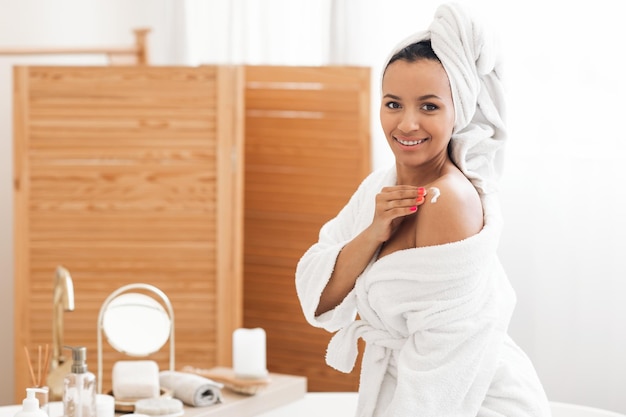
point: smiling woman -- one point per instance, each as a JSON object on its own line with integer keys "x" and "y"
{"x": 422, "y": 284}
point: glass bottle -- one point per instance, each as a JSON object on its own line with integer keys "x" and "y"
{"x": 79, "y": 387}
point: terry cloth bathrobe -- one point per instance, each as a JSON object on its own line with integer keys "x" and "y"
{"x": 434, "y": 318}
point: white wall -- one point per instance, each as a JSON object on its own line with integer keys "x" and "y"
{"x": 564, "y": 197}
{"x": 562, "y": 193}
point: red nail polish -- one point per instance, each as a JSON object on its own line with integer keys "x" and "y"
{"x": 413, "y": 208}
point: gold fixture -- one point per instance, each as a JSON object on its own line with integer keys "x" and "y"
{"x": 62, "y": 300}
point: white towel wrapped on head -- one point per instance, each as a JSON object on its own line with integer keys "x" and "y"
{"x": 193, "y": 390}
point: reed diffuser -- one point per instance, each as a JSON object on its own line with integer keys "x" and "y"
{"x": 38, "y": 379}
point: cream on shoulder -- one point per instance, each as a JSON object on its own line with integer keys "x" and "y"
{"x": 435, "y": 192}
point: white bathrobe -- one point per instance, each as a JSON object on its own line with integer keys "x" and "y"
{"x": 434, "y": 320}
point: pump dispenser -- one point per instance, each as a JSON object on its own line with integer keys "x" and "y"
{"x": 79, "y": 387}
{"x": 30, "y": 405}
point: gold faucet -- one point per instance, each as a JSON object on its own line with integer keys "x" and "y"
{"x": 62, "y": 300}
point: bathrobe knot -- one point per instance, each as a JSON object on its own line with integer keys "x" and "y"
{"x": 343, "y": 347}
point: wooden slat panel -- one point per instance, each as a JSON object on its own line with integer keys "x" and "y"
{"x": 307, "y": 148}
{"x": 125, "y": 175}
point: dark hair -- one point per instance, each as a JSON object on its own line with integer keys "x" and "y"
{"x": 415, "y": 52}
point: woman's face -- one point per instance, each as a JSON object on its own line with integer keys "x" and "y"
{"x": 417, "y": 112}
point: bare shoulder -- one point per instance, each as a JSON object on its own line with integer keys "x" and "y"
{"x": 455, "y": 214}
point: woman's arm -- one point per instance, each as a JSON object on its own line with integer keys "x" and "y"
{"x": 392, "y": 205}
{"x": 350, "y": 263}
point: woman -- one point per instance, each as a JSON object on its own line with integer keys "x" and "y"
{"x": 414, "y": 250}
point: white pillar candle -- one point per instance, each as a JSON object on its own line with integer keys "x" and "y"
{"x": 249, "y": 355}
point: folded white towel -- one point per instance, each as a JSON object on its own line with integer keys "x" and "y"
{"x": 193, "y": 390}
{"x": 135, "y": 379}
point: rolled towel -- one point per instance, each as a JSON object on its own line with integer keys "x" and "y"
{"x": 135, "y": 380}
{"x": 193, "y": 390}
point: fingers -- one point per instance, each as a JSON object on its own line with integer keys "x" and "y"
{"x": 393, "y": 204}
{"x": 402, "y": 200}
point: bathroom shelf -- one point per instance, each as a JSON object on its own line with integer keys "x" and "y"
{"x": 281, "y": 390}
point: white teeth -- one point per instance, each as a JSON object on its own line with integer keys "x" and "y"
{"x": 410, "y": 142}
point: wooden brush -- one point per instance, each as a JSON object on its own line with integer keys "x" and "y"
{"x": 227, "y": 377}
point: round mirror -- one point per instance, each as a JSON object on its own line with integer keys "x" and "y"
{"x": 136, "y": 324}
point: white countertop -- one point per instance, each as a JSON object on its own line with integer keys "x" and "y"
{"x": 342, "y": 404}
{"x": 325, "y": 404}
{"x": 318, "y": 404}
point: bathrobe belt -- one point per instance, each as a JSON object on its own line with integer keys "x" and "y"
{"x": 380, "y": 345}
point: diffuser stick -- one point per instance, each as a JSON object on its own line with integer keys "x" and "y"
{"x": 38, "y": 382}
{"x": 46, "y": 364}
{"x": 30, "y": 366}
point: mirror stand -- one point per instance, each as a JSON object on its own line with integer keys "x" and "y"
{"x": 121, "y": 302}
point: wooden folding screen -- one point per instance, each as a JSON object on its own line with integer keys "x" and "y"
{"x": 122, "y": 175}
{"x": 306, "y": 150}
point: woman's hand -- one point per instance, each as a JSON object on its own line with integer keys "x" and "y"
{"x": 393, "y": 204}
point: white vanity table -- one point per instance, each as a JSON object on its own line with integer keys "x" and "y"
{"x": 316, "y": 404}
{"x": 327, "y": 404}
{"x": 285, "y": 395}
{"x": 333, "y": 404}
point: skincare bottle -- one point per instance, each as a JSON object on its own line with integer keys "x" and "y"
{"x": 79, "y": 387}
{"x": 30, "y": 405}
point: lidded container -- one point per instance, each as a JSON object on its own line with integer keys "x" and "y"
{"x": 30, "y": 405}
{"x": 79, "y": 387}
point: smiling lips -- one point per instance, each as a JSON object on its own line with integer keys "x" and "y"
{"x": 410, "y": 142}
